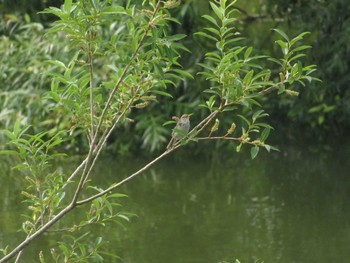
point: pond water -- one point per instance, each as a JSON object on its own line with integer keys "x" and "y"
{"x": 291, "y": 206}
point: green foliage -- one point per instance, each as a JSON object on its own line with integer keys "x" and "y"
{"x": 78, "y": 249}
{"x": 22, "y": 79}
{"x": 322, "y": 109}
{"x": 122, "y": 61}
{"x": 44, "y": 192}
{"x": 238, "y": 79}
{"x": 327, "y": 105}
{"x": 136, "y": 50}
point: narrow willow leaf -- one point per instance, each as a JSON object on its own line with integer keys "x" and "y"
{"x": 254, "y": 151}
{"x": 269, "y": 148}
{"x": 301, "y": 48}
{"x": 217, "y": 10}
{"x": 113, "y": 10}
{"x": 57, "y": 63}
{"x": 265, "y": 134}
{"x": 248, "y": 77}
{"x": 162, "y": 93}
{"x": 233, "y": 40}
{"x": 284, "y": 46}
{"x": 116, "y": 195}
{"x": 262, "y": 74}
{"x": 175, "y": 37}
{"x": 183, "y": 73}
{"x": 213, "y": 30}
{"x": 299, "y": 37}
{"x": 244, "y": 119}
{"x": 211, "y": 19}
{"x": 67, "y": 6}
{"x": 247, "y": 53}
{"x": 16, "y": 128}
{"x": 257, "y": 114}
{"x": 281, "y": 33}
{"x": 9, "y": 152}
{"x": 276, "y": 61}
{"x": 296, "y": 57}
{"x": 207, "y": 36}
{"x": 227, "y": 21}
{"x": 281, "y": 89}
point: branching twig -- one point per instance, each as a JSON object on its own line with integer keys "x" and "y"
{"x": 89, "y": 161}
{"x": 114, "y": 90}
{"x": 39, "y": 232}
{"x": 196, "y": 130}
{"x": 92, "y": 110}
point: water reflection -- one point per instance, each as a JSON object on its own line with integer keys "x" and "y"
{"x": 285, "y": 207}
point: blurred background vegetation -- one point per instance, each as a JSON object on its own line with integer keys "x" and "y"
{"x": 321, "y": 113}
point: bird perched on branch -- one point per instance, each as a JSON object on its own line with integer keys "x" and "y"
{"x": 181, "y": 129}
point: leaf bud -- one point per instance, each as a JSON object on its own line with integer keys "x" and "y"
{"x": 80, "y": 62}
{"x": 172, "y": 4}
{"x": 215, "y": 126}
{"x": 149, "y": 98}
{"x": 142, "y": 105}
{"x": 231, "y": 129}
{"x": 292, "y": 92}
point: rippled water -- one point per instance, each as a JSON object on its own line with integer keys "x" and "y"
{"x": 292, "y": 206}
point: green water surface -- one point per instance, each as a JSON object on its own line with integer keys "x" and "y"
{"x": 291, "y": 206}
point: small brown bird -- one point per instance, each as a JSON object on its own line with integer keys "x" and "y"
{"x": 181, "y": 129}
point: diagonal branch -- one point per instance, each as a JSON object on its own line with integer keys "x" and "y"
{"x": 196, "y": 130}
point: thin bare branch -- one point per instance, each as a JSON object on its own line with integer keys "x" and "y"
{"x": 127, "y": 179}
{"x": 92, "y": 110}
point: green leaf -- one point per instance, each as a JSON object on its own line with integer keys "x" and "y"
{"x": 301, "y": 48}
{"x": 254, "y": 151}
{"x": 211, "y": 19}
{"x": 67, "y": 6}
{"x": 269, "y": 148}
{"x": 244, "y": 119}
{"x": 217, "y": 10}
{"x": 299, "y": 37}
{"x": 257, "y": 114}
{"x": 317, "y": 108}
{"x": 227, "y": 21}
{"x": 284, "y": 46}
{"x": 112, "y": 10}
{"x": 117, "y": 195}
{"x": 213, "y": 30}
{"x": 183, "y": 73}
{"x": 248, "y": 77}
{"x": 16, "y": 128}
{"x": 9, "y": 152}
{"x": 281, "y": 33}
{"x": 206, "y": 36}
{"x": 247, "y": 53}
{"x": 58, "y": 63}
{"x": 265, "y": 134}
{"x": 162, "y": 93}
{"x": 281, "y": 89}
{"x": 296, "y": 57}
{"x": 9, "y": 134}
{"x": 276, "y": 61}
{"x": 175, "y": 37}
